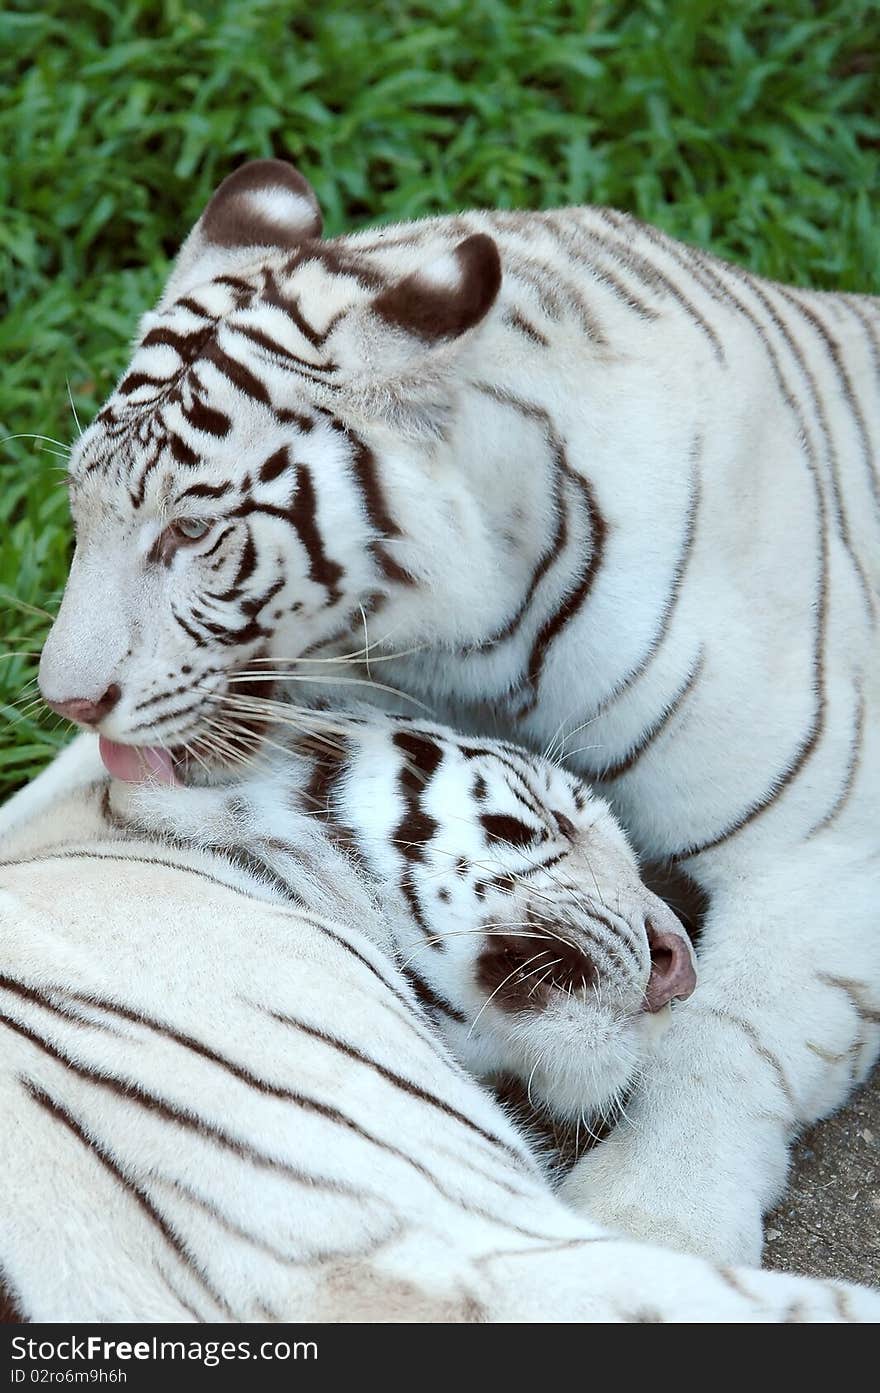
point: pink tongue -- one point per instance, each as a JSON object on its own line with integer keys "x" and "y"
{"x": 137, "y": 763}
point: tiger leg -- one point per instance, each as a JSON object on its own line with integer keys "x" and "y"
{"x": 784, "y": 1022}
{"x": 600, "y": 1279}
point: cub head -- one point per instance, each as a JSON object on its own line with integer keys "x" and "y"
{"x": 525, "y": 925}
{"x": 230, "y": 510}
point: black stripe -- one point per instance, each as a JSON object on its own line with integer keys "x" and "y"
{"x": 338, "y": 258}
{"x": 852, "y": 770}
{"x": 187, "y": 303}
{"x": 269, "y": 345}
{"x": 236, "y": 373}
{"x": 421, "y": 758}
{"x": 860, "y": 308}
{"x": 205, "y": 491}
{"x": 185, "y": 344}
{"x": 275, "y": 465}
{"x": 134, "y": 380}
{"x": 182, "y": 452}
{"x": 399, "y": 1081}
{"x": 411, "y": 895}
{"x": 68, "y": 855}
{"x": 198, "y": 639}
{"x": 552, "y": 289}
{"x": 671, "y": 604}
{"x": 206, "y": 419}
{"x": 242, "y": 290}
{"x": 814, "y": 733}
{"x": 564, "y": 231}
{"x": 577, "y": 596}
{"x": 36, "y": 997}
{"x": 623, "y": 765}
{"x": 821, "y": 416}
{"x": 11, "y": 1308}
{"x": 131, "y": 1188}
{"x": 578, "y": 593}
{"x": 137, "y": 494}
{"x": 304, "y": 515}
{"x": 811, "y": 738}
{"x": 505, "y": 755}
{"x": 428, "y": 997}
{"x": 550, "y": 554}
{"x": 518, "y": 321}
{"x": 189, "y": 1120}
{"x": 512, "y": 831}
{"x": 247, "y": 562}
{"x": 650, "y": 275}
{"x": 314, "y": 922}
{"x": 167, "y": 696}
{"x": 363, "y": 463}
{"x": 290, "y": 306}
{"x": 132, "y": 1092}
{"x": 218, "y": 543}
{"x": 843, "y": 377}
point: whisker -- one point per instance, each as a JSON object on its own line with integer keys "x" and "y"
{"x": 422, "y": 943}
{"x": 73, "y": 408}
{"x": 517, "y": 969}
{"x": 366, "y": 642}
{"x": 34, "y": 435}
{"x": 223, "y": 727}
{"x": 550, "y": 967}
{"x": 191, "y": 754}
{"x": 245, "y": 676}
{"x": 537, "y": 1064}
{"x": 218, "y": 741}
{"x": 355, "y": 657}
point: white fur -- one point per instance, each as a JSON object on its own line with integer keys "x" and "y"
{"x": 210, "y": 1187}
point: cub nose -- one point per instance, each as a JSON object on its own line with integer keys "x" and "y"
{"x": 84, "y": 712}
{"x": 672, "y": 968}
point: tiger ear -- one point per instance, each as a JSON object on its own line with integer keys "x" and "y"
{"x": 403, "y": 356}
{"x": 264, "y": 205}
{"x": 448, "y": 296}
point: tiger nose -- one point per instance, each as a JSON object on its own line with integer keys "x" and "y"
{"x": 84, "y": 712}
{"x": 672, "y": 968}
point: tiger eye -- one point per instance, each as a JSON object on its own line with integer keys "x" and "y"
{"x": 192, "y": 528}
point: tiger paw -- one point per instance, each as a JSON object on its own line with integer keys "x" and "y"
{"x": 658, "y": 1196}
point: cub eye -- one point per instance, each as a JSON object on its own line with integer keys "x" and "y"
{"x": 193, "y": 529}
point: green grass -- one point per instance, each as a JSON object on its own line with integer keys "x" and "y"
{"x": 747, "y": 126}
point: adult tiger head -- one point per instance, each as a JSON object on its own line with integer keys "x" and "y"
{"x": 257, "y": 482}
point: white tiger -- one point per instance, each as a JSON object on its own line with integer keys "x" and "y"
{"x": 221, "y": 1097}
{"x": 600, "y": 482}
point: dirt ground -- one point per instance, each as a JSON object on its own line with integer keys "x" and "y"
{"x": 828, "y": 1224}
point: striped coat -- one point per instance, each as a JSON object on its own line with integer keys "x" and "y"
{"x": 568, "y": 478}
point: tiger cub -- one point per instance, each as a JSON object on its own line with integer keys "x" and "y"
{"x": 220, "y": 1104}
{"x": 514, "y": 899}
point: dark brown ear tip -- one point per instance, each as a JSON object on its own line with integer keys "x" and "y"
{"x": 261, "y": 174}
{"x": 229, "y": 219}
{"x": 480, "y": 261}
{"x": 480, "y": 255}
{"x": 434, "y": 313}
